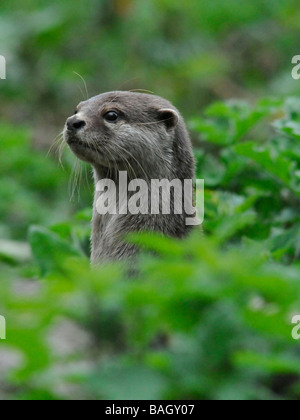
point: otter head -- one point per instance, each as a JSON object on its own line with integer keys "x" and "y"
{"x": 121, "y": 129}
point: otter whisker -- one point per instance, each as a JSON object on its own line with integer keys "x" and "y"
{"x": 55, "y": 143}
{"x": 153, "y": 151}
{"x": 84, "y": 83}
{"x": 60, "y": 153}
{"x": 126, "y": 81}
{"x": 118, "y": 145}
{"x": 151, "y": 123}
{"x": 122, "y": 85}
{"x": 86, "y": 176}
{"x": 115, "y": 167}
{"x": 128, "y": 165}
{"x": 75, "y": 179}
{"x": 82, "y": 93}
{"x": 142, "y": 91}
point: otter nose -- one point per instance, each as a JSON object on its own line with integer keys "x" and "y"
{"x": 74, "y": 123}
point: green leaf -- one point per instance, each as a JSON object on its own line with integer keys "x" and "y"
{"x": 268, "y": 158}
{"x": 268, "y": 363}
{"x": 134, "y": 381}
{"x": 49, "y": 249}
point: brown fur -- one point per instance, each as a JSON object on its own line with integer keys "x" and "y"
{"x": 150, "y": 141}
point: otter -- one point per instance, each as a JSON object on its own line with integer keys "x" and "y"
{"x": 144, "y": 135}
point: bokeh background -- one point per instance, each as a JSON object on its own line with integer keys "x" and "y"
{"x": 191, "y": 54}
{"x": 194, "y": 53}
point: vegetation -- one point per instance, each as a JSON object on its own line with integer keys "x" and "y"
{"x": 206, "y": 318}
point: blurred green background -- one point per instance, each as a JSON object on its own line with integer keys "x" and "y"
{"x": 192, "y": 55}
{"x": 209, "y": 318}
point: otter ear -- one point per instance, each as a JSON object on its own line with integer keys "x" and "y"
{"x": 169, "y": 116}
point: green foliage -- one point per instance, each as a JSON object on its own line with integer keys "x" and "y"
{"x": 209, "y": 317}
{"x": 190, "y": 53}
{"x": 206, "y": 318}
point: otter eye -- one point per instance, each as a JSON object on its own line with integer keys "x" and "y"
{"x": 111, "y": 116}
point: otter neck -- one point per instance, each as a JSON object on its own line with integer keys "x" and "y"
{"x": 137, "y": 171}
